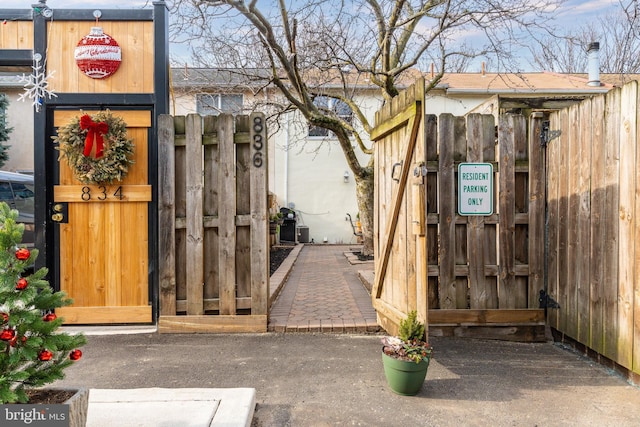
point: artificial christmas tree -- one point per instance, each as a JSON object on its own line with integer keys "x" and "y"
{"x": 33, "y": 352}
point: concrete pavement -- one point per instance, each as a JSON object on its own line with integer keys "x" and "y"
{"x": 336, "y": 379}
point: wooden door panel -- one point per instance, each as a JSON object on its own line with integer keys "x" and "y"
{"x": 104, "y": 246}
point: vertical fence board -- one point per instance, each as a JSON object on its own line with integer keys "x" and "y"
{"x": 627, "y": 233}
{"x": 460, "y": 245}
{"x": 573, "y": 233}
{"x": 243, "y": 207}
{"x": 521, "y": 206}
{"x": 584, "y": 213}
{"x": 553, "y": 206}
{"x": 227, "y": 211}
{"x": 195, "y": 229}
{"x": 612, "y": 200}
{"x": 597, "y": 221}
{"x": 259, "y": 216}
{"x": 563, "y": 218}
{"x": 506, "y": 280}
{"x": 633, "y": 294}
{"x": 446, "y": 184}
{"x": 431, "y": 149}
{"x": 181, "y": 207}
{"x": 166, "y": 215}
{"x": 536, "y": 210}
{"x": 210, "y": 207}
{"x": 475, "y": 224}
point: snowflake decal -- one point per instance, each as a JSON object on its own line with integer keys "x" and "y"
{"x": 36, "y": 85}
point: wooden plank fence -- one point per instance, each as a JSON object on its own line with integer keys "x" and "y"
{"x": 213, "y": 249}
{"x": 482, "y": 274}
{"x": 593, "y": 201}
{"x": 486, "y": 272}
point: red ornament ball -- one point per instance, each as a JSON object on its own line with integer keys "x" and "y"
{"x": 45, "y": 355}
{"x": 7, "y": 334}
{"x": 22, "y": 284}
{"x": 75, "y": 355}
{"x": 98, "y": 55}
{"x": 23, "y": 254}
{"x": 49, "y": 317}
{"x": 5, "y": 317}
{"x": 13, "y": 341}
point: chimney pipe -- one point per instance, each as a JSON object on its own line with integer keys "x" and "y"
{"x": 594, "y": 64}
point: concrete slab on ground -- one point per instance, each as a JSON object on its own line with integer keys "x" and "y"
{"x": 185, "y": 407}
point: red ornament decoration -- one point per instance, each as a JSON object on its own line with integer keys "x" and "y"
{"x": 7, "y": 334}
{"x": 75, "y": 355}
{"x": 5, "y": 317}
{"x": 49, "y": 317}
{"x": 13, "y": 341}
{"x": 98, "y": 55}
{"x": 45, "y": 355}
{"x": 22, "y": 284}
{"x": 23, "y": 254}
{"x": 96, "y": 131}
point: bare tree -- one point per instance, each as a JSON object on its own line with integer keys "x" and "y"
{"x": 308, "y": 44}
{"x": 619, "y": 39}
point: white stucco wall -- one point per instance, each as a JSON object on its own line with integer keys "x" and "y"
{"x": 307, "y": 175}
{"x": 20, "y": 118}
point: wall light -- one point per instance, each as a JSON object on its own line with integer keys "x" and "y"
{"x": 346, "y": 176}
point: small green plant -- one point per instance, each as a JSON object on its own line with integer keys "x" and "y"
{"x": 409, "y": 344}
{"x": 32, "y": 350}
{"x": 411, "y": 329}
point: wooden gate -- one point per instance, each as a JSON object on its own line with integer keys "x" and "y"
{"x": 103, "y": 248}
{"x": 468, "y": 275}
{"x": 399, "y": 238}
{"x": 214, "y": 255}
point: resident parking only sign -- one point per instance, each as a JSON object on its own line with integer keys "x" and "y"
{"x": 475, "y": 189}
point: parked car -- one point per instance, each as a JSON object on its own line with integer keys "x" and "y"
{"x": 16, "y": 189}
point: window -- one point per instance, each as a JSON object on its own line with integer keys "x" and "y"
{"x": 213, "y": 104}
{"x": 338, "y": 107}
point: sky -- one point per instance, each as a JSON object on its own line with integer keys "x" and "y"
{"x": 572, "y": 13}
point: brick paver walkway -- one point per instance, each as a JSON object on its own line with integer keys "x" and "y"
{"x": 324, "y": 294}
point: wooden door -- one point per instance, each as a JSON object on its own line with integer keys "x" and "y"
{"x": 103, "y": 248}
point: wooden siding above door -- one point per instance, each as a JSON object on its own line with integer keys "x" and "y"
{"x": 135, "y": 74}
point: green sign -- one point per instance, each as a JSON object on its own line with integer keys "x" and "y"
{"x": 475, "y": 189}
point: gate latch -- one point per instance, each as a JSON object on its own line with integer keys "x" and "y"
{"x": 547, "y": 135}
{"x": 546, "y": 301}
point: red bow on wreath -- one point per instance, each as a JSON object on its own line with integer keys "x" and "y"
{"x": 96, "y": 131}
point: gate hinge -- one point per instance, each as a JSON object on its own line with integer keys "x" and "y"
{"x": 547, "y": 135}
{"x": 546, "y": 301}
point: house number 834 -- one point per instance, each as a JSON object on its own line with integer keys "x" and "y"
{"x": 100, "y": 194}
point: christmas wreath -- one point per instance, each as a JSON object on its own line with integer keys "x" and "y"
{"x": 96, "y": 147}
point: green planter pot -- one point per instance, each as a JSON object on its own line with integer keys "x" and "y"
{"x": 405, "y": 378}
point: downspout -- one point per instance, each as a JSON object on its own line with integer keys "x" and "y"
{"x": 286, "y": 162}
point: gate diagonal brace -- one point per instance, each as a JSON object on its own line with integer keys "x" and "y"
{"x": 546, "y": 301}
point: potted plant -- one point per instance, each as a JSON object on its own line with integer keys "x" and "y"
{"x": 33, "y": 352}
{"x": 406, "y": 357}
{"x": 275, "y": 220}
